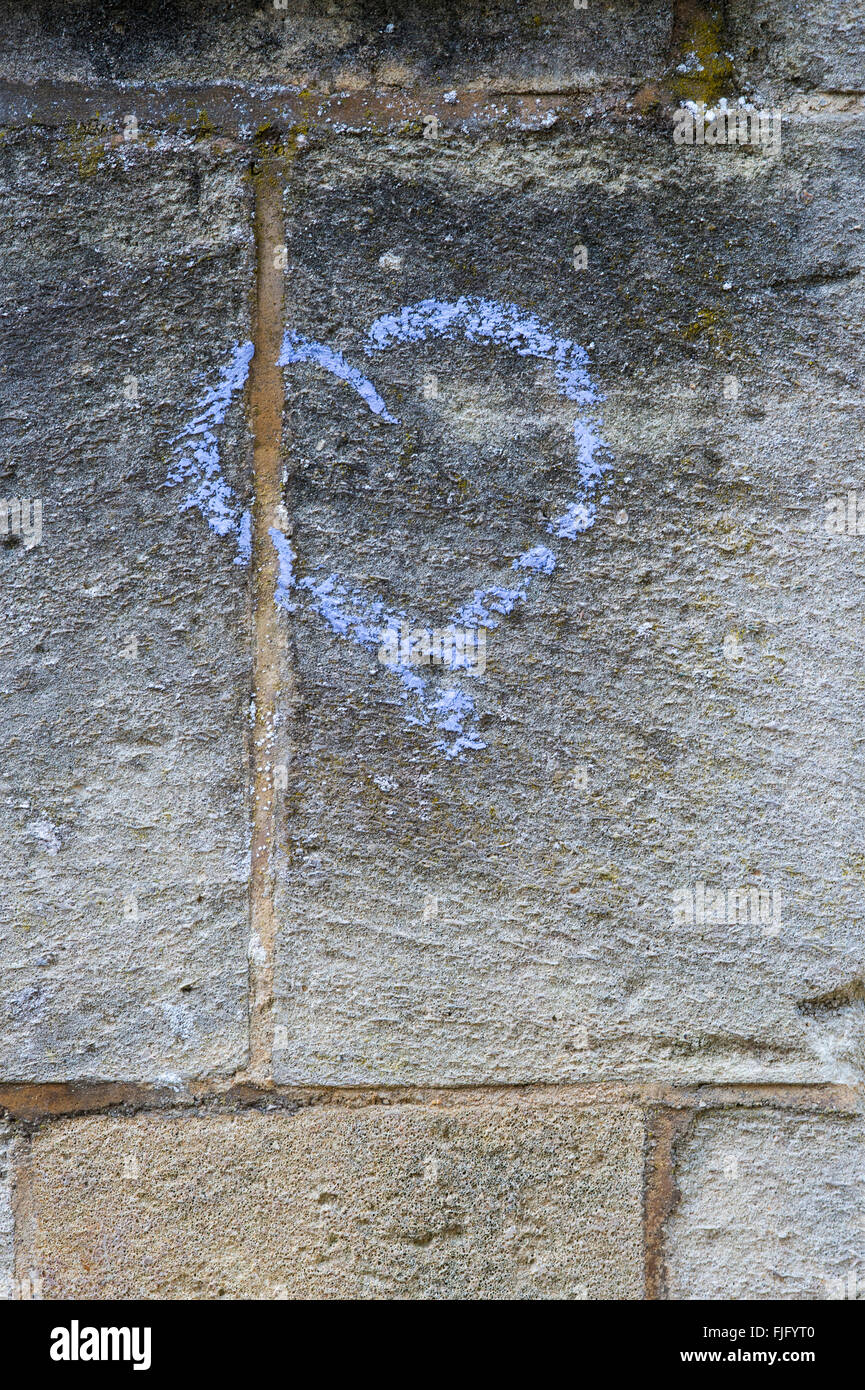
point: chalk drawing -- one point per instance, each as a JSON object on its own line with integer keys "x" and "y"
{"x": 351, "y": 614}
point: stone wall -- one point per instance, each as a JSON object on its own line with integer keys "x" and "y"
{"x": 432, "y": 701}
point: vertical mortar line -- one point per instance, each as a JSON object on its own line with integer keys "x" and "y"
{"x": 689, "y": 16}
{"x": 700, "y": 27}
{"x": 266, "y": 401}
{"x": 23, "y": 1218}
{"x": 665, "y": 1126}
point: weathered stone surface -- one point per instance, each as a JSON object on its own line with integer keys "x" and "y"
{"x": 464, "y": 894}
{"x": 797, "y": 46}
{"x": 768, "y": 49}
{"x": 772, "y": 1206}
{"x": 510, "y": 1200}
{"x": 312, "y": 43}
{"x": 691, "y": 657}
{"x": 123, "y": 664}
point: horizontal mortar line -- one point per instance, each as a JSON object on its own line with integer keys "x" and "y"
{"x": 235, "y": 107}
{"x": 52, "y": 1099}
{"x": 239, "y": 111}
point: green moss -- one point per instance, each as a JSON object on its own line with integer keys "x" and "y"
{"x": 84, "y": 146}
{"x": 281, "y": 146}
{"x": 202, "y": 128}
{"x": 707, "y": 327}
{"x": 709, "y": 71}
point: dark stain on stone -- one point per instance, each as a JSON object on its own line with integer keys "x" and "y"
{"x": 844, "y": 997}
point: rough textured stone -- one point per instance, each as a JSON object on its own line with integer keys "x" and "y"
{"x": 318, "y": 44}
{"x": 772, "y": 1206}
{"x": 797, "y": 45}
{"x": 510, "y": 1200}
{"x": 778, "y": 49}
{"x": 488, "y": 917}
{"x": 124, "y": 669}
{"x": 678, "y": 707}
